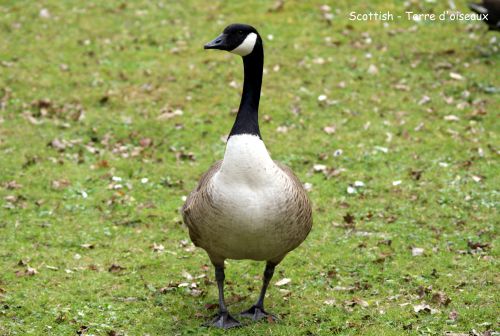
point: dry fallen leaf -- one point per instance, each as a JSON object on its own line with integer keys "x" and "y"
{"x": 29, "y": 271}
{"x": 283, "y": 282}
{"x": 456, "y": 76}
{"x": 424, "y": 100}
{"x": 453, "y": 316}
{"x": 372, "y": 69}
{"x": 424, "y": 308}
{"x": 158, "y": 247}
{"x": 319, "y": 168}
{"x": 441, "y": 298}
{"x": 145, "y": 142}
{"x": 356, "y": 301}
{"x": 187, "y": 275}
{"x": 10, "y": 185}
{"x": 349, "y": 219}
{"x": 169, "y": 114}
{"x": 478, "y": 245}
{"x": 329, "y": 129}
{"x": 451, "y": 117}
{"x": 115, "y": 268}
{"x": 60, "y": 145}
{"x": 277, "y": 6}
{"x": 282, "y": 129}
{"x": 60, "y": 184}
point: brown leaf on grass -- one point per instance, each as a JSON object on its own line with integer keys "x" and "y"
{"x": 211, "y": 306}
{"x": 424, "y": 100}
{"x": 22, "y": 262}
{"x": 332, "y": 172}
{"x": 93, "y": 267}
{"x": 319, "y": 168}
{"x": 295, "y": 109}
{"x": 235, "y": 299}
{"x": 401, "y": 87}
{"x": 11, "y": 185}
{"x": 196, "y": 292}
{"x": 158, "y": 247}
{"x": 87, "y": 246}
{"x": 456, "y": 76}
{"x": 416, "y": 174}
{"x": 11, "y": 198}
{"x": 277, "y": 6}
{"x": 478, "y": 245}
{"x": 45, "y": 108}
{"x": 282, "y": 129}
{"x": 168, "y": 113}
{"x": 356, "y": 301}
{"x": 283, "y": 282}
{"x": 372, "y": 69}
{"x": 327, "y": 14}
{"x": 421, "y": 291}
{"x": 115, "y": 268}
{"x": 424, "y": 307}
{"x": 82, "y": 330}
{"x": 29, "y": 271}
{"x": 453, "y": 315}
{"x": 58, "y": 144}
{"x": 329, "y": 302}
{"x": 181, "y": 155}
{"x": 440, "y": 298}
{"x": 170, "y": 287}
{"x": 331, "y": 274}
{"x": 14, "y": 201}
{"x": 102, "y": 164}
{"x": 349, "y": 219}
{"x": 387, "y": 242}
{"x": 451, "y": 117}
{"x": 146, "y": 142}
{"x": 60, "y": 184}
{"x": 382, "y": 257}
{"x": 329, "y": 129}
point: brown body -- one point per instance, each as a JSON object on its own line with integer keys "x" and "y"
{"x": 215, "y": 227}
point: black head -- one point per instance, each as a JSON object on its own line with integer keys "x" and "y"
{"x": 237, "y": 38}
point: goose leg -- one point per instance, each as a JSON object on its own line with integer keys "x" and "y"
{"x": 257, "y": 312}
{"x": 222, "y": 319}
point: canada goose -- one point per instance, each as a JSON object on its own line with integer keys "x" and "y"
{"x": 490, "y": 10}
{"x": 247, "y": 206}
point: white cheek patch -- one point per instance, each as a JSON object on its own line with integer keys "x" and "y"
{"x": 246, "y": 47}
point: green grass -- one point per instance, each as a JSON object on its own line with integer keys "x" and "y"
{"x": 123, "y": 63}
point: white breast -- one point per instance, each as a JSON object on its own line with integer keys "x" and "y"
{"x": 246, "y": 162}
{"x": 251, "y": 194}
{"x": 249, "y": 187}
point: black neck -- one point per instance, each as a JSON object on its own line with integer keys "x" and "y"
{"x": 247, "y": 120}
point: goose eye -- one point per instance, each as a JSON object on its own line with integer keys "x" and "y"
{"x": 240, "y": 32}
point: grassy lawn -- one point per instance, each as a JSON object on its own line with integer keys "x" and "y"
{"x": 110, "y": 112}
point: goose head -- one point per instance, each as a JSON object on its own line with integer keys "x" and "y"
{"x": 237, "y": 38}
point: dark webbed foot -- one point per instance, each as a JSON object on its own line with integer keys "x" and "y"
{"x": 224, "y": 321}
{"x": 256, "y": 313}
